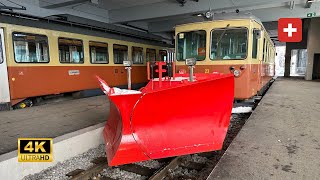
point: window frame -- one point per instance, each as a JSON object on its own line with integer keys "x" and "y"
{"x": 176, "y": 54}
{"x": 264, "y": 51}
{"x": 143, "y": 57}
{"x": 1, "y": 46}
{"x": 257, "y": 44}
{"x": 160, "y": 54}
{"x": 14, "y": 53}
{"x": 233, "y": 27}
{"x": 113, "y": 52}
{"x": 95, "y": 46}
{"x": 155, "y": 54}
{"x": 267, "y": 52}
{"x": 82, "y": 50}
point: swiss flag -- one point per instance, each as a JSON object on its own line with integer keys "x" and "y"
{"x": 290, "y": 30}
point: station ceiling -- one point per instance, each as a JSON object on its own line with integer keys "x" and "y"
{"x": 160, "y": 16}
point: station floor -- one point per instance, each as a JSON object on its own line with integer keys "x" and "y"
{"x": 281, "y": 139}
{"x": 50, "y": 120}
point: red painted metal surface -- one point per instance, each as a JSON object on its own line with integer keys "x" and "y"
{"x": 178, "y": 118}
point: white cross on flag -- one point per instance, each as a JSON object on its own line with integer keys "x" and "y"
{"x": 290, "y": 30}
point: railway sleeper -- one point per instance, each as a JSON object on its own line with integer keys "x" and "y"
{"x": 193, "y": 165}
{"x": 141, "y": 170}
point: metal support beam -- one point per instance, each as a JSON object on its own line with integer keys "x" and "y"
{"x": 63, "y": 4}
{"x": 292, "y": 5}
{"x": 13, "y": 8}
{"x": 309, "y": 3}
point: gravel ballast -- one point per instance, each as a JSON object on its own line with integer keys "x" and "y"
{"x": 83, "y": 161}
{"x": 59, "y": 171}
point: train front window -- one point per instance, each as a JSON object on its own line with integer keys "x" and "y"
{"x": 99, "y": 53}
{"x": 70, "y": 51}
{"x": 30, "y": 48}
{"x": 229, "y": 44}
{"x": 120, "y": 53}
{"x": 191, "y": 45}
{"x": 137, "y": 55}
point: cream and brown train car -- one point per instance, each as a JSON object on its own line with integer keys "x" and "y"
{"x": 46, "y": 59}
{"x": 240, "y": 46}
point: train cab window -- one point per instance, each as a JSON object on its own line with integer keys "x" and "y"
{"x": 137, "y": 55}
{"x": 120, "y": 53}
{"x": 254, "y": 44}
{"x": 163, "y": 55}
{"x": 229, "y": 44}
{"x": 99, "y": 53}
{"x": 191, "y": 45}
{"x": 151, "y": 54}
{"x": 70, "y": 51}
{"x": 30, "y": 48}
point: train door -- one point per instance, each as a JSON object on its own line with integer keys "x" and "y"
{"x": 4, "y": 84}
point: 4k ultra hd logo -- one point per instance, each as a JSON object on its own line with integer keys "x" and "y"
{"x": 290, "y": 29}
{"x": 35, "y": 149}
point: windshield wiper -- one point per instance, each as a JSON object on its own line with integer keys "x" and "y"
{"x": 221, "y": 36}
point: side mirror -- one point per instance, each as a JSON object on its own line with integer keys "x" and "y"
{"x": 127, "y": 63}
{"x": 191, "y": 61}
{"x": 257, "y": 32}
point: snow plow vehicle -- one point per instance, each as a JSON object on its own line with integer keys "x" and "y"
{"x": 175, "y": 116}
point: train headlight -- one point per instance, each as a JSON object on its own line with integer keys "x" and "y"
{"x": 182, "y": 71}
{"x": 236, "y": 73}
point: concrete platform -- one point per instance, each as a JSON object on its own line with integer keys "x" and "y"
{"x": 51, "y": 120}
{"x": 281, "y": 139}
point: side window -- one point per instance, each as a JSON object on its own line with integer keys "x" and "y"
{"x": 268, "y": 50}
{"x": 163, "y": 55}
{"x": 270, "y": 53}
{"x": 70, "y": 51}
{"x": 264, "y": 50}
{"x": 98, "y": 53}
{"x": 30, "y": 48}
{"x": 1, "y": 51}
{"x": 254, "y": 44}
{"x": 120, "y": 53}
{"x": 137, "y": 55}
{"x": 151, "y": 54}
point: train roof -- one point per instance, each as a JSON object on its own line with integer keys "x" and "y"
{"x": 231, "y": 17}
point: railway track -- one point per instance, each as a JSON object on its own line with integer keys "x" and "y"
{"x": 189, "y": 167}
{"x": 194, "y": 166}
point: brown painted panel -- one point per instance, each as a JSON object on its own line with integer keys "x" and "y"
{"x": 245, "y": 85}
{"x": 30, "y": 81}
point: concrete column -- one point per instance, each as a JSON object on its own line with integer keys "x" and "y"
{"x": 313, "y": 45}
{"x": 287, "y": 61}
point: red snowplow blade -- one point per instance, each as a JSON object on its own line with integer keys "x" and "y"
{"x": 178, "y": 118}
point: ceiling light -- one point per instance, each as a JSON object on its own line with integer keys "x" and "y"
{"x": 208, "y": 14}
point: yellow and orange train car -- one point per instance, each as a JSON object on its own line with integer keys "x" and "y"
{"x": 239, "y": 45}
{"x": 46, "y": 59}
